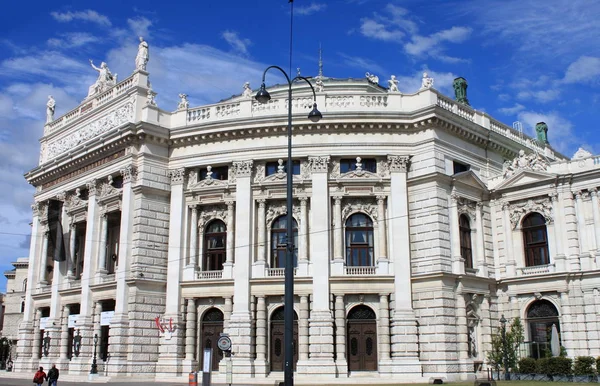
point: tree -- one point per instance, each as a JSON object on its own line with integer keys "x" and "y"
{"x": 514, "y": 339}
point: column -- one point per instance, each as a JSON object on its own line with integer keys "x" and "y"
{"x": 584, "y": 247}
{"x": 258, "y": 269}
{"x": 566, "y": 325}
{"x": 44, "y": 258}
{"x": 64, "y": 334}
{"x": 511, "y": 268}
{"x": 340, "y": 335}
{"x": 71, "y": 259}
{"x": 190, "y": 334}
{"x": 321, "y": 320}
{"x": 230, "y": 253}
{"x": 37, "y": 342}
{"x": 462, "y": 331}
{"x": 227, "y": 311}
{"x": 481, "y": 262}
{"x": 486, "y": 327}
{"x": 458, "y": 263}
{"x": 338, "y": 247}
{"x": 303, "y": 238}
{"x": 103, "y": 238}
{"x": 303, "y": 329}
{"x": 382, "y": 261}
{"x": 261, "y": 335}
{"x": 240, "y": 324}
{"x": 559, "y": 259}
{"x": 596, "y": 214}
{"x": 404, "y": 323}
{"x": 194, "y": 237}
{"x": 571, "y": 233}
{"x": 384, "y": 327}
{"x": 171, "y": 351}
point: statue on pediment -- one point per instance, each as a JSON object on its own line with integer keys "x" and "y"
{"x": 460, "y": 90}
{"x": 372, "y": 78}
{"x": 184, "y": 104}
{"x": 426, "y": 82}
{"x": 525, "y": 161}
{"x": 50, "y": 108}
{"x": 247, "y": 93}
{"x": 319, "y": 84}
{"x": 106, "y": 79}
{"x": 393, "y": 84}
{"x": 541, "y": 130}
{"x": 143, "y": 55}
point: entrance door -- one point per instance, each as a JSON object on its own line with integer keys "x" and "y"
{"x": 362, "y": 339}
{"x": 277, "y": 355}
{"x": 212, "y": 327}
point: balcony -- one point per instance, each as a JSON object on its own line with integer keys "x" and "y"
{"x": 209, "y": 275}
{"x": 536, "y": 270}
{"x": 360, "y": 271}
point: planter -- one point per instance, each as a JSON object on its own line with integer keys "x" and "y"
{"x": 584, "y": 378}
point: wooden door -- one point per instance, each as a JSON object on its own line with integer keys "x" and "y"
{"x": 210, "y": 335}
{"x": 278, "y": 346}
{"x": 362, "y": 345}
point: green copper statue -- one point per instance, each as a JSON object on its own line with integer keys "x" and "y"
{"x": 460, "y": 90}
{"x": 541, "y": 129}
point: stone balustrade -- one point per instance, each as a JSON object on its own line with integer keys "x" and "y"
{"x": 360, "y": 271}
{"x": 207, "y": 275}
{"x": 536, "y": 270}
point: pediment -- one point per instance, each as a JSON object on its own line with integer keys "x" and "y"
{"x": 471, "y": 179}
{"x": 359, "y": 174}
{"x": 209, "y": 183}
{"x": 525, "y": 177}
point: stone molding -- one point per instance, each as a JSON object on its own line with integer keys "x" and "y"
{"x": 359, "y": 205}
{"x": 466, "y": 206}
{"x": 209, "y": 213}
{"x": 398, "y": 163}
{"x": 276, "y": 209}
{"x": 518, "y": 210}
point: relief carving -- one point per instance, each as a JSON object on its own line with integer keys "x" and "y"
{"x": 362, "y": 205}
{"x": 210, "y": 212}
{"x": 276, "y": 209}
{"x": 129, "y": 173}
{"x": 542, "y": 206}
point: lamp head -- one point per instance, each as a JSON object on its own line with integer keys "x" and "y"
{"x": 503, "y": 320}
{"x": 95, "y": 338}
{"x": 315, "y": 115}
{"x": 262, "y": 96}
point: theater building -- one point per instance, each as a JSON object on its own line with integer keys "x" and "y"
{"x": 419, "y": 221}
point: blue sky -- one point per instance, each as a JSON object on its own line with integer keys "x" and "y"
{"x": 526, "y": 60}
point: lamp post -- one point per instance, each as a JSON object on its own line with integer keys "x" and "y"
{"x": 263, "y": 96}
{"x": 94, "y": 369}
{"x": 504, "y": 348}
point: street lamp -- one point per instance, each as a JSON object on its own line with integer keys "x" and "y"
{"x": 94, "y": 369}
{"x": 263, "y": 96}
{"x": 504, "y": 348}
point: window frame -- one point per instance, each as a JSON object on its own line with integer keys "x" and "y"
{"x": 349, "y": 165}
{"x": 213, "y": 253}
{"x": 466, "y": 241}
{"x": 536, "y": 253}
{"x": 280, "y": 247}
{"x": 368, "y": 246}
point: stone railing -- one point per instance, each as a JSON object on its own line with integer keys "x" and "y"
{"x": 91, "y": 104}
{"x": 360, "y": 271}
{"x": 536, "y": 270}
{"x": 44, "y": 289}
{"x": 70, "y": 284}
{"x": 207, "y": 275}
{"x": 278, "y": 272}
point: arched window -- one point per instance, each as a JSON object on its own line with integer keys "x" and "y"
{"x": 214, "y": 246}
{"x": 278, "y": 242}
{"x": 535, "y": 240}
{"x": 541, "y": 316}
{"x": 24, "y": 285}
{"x": 359, "y": 241}
{"x": 466, "y": 252}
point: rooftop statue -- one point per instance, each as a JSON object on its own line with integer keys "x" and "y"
{"x": 372, "y": 78}
{"x": 320, "y": 87}
{"x": 426, "y": 82}
{"x": 143, "y": 55}
{"x": 393, "y": 84}
{"x": 581, "y": 153}
{"x": 105, "y": 79}
{"x": 247, "y": 93}
{"x": 50, "y": 108}
{"x": 460, "y": 90}
{"x": 525, "y": 161}
{"x": 183, "y": 103}
{"x": 541, "y": 129}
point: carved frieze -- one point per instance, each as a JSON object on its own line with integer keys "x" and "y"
{"x": 259, "y": 173}
{"x": 363, "y": 205}
{"x": 211, "y": 212}
{"x": 75, "y": 202}
{"x": 398, "y": 163}
{"x": 318, "y": 164}
{"x": 335, "y": 170}
{"x": 278, "y": 208}
{"x": 466, "y": 206}
{"x": 192, "y": 177}
{"x": 383, "y": 168}
{"x": 524, "y": 161}
{"x": 542, "y": 206}
{"x": 114, "y": 119}
{"x": 107, "y": 189}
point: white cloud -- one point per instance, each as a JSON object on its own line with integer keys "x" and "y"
{"x": 309, "y": 9}
{"x": 236, "y": 42}
{"x": 409, "y": 84}
{"x": 72, "y": 40}
{"x": 374, "y": 29}
{"x": 87, "y": 15}
{"x": 428, "y": 45}
{"x": 539, "y": 96}
{"x": 512, "y": 110}
{"x": 361, "y": 63}
{"x": 140, "y": 26}
{"x": 586, "y": 69}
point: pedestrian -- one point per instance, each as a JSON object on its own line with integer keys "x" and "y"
{"x": 53, "y": 376}
{"x": 39, "y": 377}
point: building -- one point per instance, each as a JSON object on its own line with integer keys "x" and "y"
{"x": 14, "y": 303}
{"x": 420, "y": 221}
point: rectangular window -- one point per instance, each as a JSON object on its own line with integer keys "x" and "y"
{"x": 273, "y": 167}
{"x": 112, "y": 241}
{"x": 80, "y": 229}
{"x": 460, "y": 167}
{"x": 217, "y": 173}
{"x": 349, "y": 164}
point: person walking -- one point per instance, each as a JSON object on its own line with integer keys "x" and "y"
{"x": 53, "y": 376}
{"x": 39, "y": 377}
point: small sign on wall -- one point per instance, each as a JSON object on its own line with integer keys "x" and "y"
{"x": 73, "y": 321}
{"x": 43, "y": 322}
{"x": 105, "y": 317}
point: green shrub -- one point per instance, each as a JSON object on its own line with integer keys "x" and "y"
{"x": 584, "y": 366}
{"x": 555, "y": 366}
{"x": 527, "y": 366}
{"x": 541, "y": 366}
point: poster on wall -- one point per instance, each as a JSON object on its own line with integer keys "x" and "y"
{"x": 73, "y": 321}
{"x": 43, "y": 322}
{"x": 105, "y": 317}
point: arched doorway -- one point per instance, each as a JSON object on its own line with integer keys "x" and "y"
{"x": 277, "y": 352}
{"x": 541, "y": 315}
{"x": 212, "y": 327}
{"x": 362, "y": 339}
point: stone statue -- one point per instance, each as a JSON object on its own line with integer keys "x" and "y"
{"x": 50, "y": 108}
{"x": 541, "y": 130}
{"x": 320, "y": 87}
{"x": 460, "y": 90}
{"x": 143, "y": 55}
{"x": 46, "y": 344}
{"x": 372, "y": 78}
{"x": 77, "y": 344}
{"x": 524, "y": 161}
{"x": 426, "y": 82}
{"x": 150, "y": 98}
{"x": 184, "y": 104}
{"x": 247, "y": 93}
{"x": 581, "y": 153}
{"x": 105, "y": 79}
{"x": 393, "y": 84}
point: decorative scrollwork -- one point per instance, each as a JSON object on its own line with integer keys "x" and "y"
{"x": 542, "y": 206}
{"x": 398, "y": 163}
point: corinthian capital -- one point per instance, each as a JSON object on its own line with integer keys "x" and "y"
{"x": 318, "y": 164}
{"x": 92, "y": 187}
{"x": 177, "y": 176}
{"x": 243, "y": 168}
{"x": 129, "y": 173}
{"x": 398, "y": 163}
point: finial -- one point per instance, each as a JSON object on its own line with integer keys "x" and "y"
{"x": 320, "y": 61}
{"x": 298, "y": 71}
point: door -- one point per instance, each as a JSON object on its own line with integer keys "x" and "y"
{"x": 277, "y": 354}
{"x": 212, "y": 327}
{"x": 362, "y": 340}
